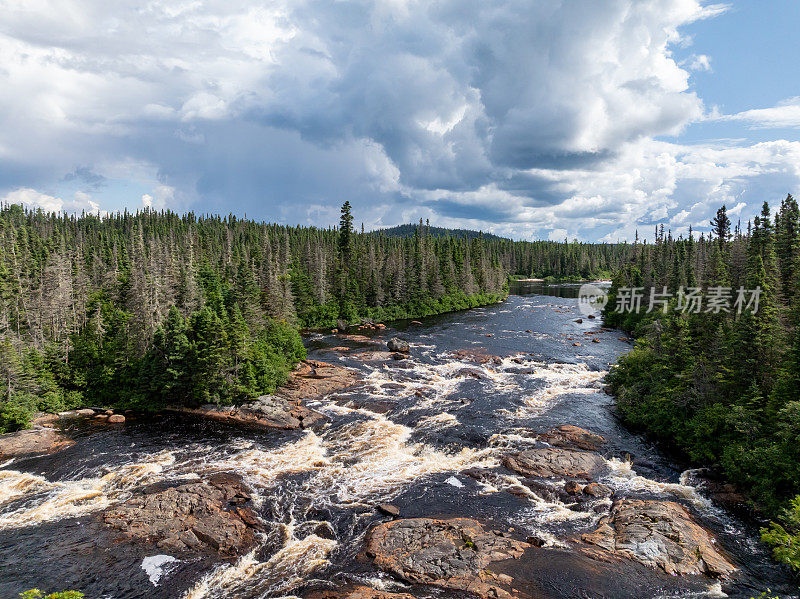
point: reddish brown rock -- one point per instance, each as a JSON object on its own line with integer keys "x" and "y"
{"x": 213, "y": 515}
{"x": 312, "y": 379}
{"x": 453, "y": 554}
{"x": 569, "y": 436}
{"x": 547, "y": 462}
{"x": 597, "y": 490}
{"x": 32, "y": 441}
{"x": 476, "y": 355}
{"x": 356, "y": 592}
{"x": 116, "y": 419}
{"x": 659, "y": 534}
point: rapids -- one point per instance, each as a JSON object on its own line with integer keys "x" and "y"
{"x": 404, "y": 435}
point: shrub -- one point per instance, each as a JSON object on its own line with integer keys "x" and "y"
{"x": 37, "y": 594}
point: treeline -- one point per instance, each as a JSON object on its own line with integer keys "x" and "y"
{"x": 721, "y": 384}
{"x": 148, "y": 309}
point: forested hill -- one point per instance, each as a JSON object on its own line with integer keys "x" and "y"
{"x": 410, "y": 230}
{"x": 717, "y": 379}
{"x": 155, "y": 308}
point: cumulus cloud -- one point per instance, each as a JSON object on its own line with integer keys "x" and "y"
{"x": 512, "y": 116}
{"x": 30, "y": 198}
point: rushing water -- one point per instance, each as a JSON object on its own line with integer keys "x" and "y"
{"x": 404, "y": 435}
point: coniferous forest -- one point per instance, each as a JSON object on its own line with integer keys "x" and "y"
{"x": 722, "y": 386}
{"x": 151, "y": 309}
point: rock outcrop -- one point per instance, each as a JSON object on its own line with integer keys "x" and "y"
{"x": 659, "y": 534}
{"x": 356, "y": 592}
{"x": 547, "y": 462}
{"x": 213, "y": 515}
{"x": 573, "y": 437}
{"x": 452, "y": 554}
{"x": 313, "y": 379}
{"x": 477, "y": 356}
{"x": 32, "y": 441}
{"x": 268, "y": 411}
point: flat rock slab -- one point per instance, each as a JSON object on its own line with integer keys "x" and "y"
{"x": 659, "y": 534}
{"x": 313, "y": 379}
{"x": 547, "y": 462}
{"x": 477, "y": 356}
{"x": 356, "y": 592}
{"x": 452, "y": 553}
{"x": 209, "y": 516}
{"x": 32, "y": 441}
{"x": 573, "y": 437}
{"x": 268, "y": 411}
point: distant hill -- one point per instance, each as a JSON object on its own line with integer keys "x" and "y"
{"x": 409, "y": 230}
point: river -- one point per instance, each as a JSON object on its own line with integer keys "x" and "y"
{"x": 405, "y": 436}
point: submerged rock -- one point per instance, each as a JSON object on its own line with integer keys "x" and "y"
{"x": 32, "y": 441}
{"x": 452, "y": 554}
{"x": 659, "y": 534}
{"x": 547, "y": 462}
{"x": 396, "y": 344}
{"x": 212, "y": 515}
{"x": 569, "y": 436}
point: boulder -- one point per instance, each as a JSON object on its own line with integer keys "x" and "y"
{"x": 32, "y": 441}
{"x": 209, "y": 516}
{"x": 573, "y": 487}
{"x": 116, "y": 419}
{"x": 569, "y": 436}
{"x": 547, "y": 462}
{"x": 389, "y": 509}
{"x": 659, "y": 534}
{"x": 396, "y": 344}
{"x": 597, "y": 490}
{"x": 453, "y": 554}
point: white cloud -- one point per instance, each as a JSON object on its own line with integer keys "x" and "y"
{"x": 522, "y": 118}
{"x": 699, "y": 62}
{"x": 785, "y": 114}
{"x": 30, "y": 198}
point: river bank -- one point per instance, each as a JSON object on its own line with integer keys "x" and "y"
{"x": 455, "y": 429}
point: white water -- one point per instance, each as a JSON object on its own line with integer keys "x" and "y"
{"x": 368, "y": 460}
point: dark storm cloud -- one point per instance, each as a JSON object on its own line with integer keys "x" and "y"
{"x": 514, "y": 112}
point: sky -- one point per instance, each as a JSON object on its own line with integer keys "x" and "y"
{"x": 533, "y": 119}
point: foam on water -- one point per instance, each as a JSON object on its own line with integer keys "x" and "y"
{"x": 155, "y": 566}
{"x": 624, "y": 478}
{"x": 283, "y": 571}
{"x": 76, "y": 497}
